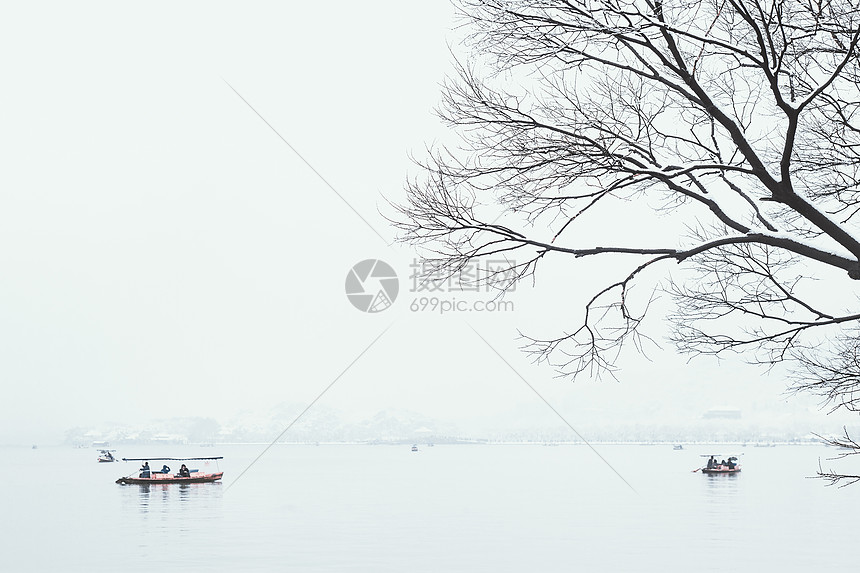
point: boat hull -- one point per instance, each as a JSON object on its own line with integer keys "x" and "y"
{"x": 169, "y": 478}
{"x": 721, "y": 471}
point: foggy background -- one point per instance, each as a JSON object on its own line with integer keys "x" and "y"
{"x": 169, "y": 265}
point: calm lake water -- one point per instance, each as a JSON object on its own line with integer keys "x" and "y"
{"x": 444, "y": 508}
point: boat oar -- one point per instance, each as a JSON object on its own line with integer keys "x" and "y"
{"x": 129, "y": 475}
{"x": 697, "y": 469}
{"x": 120, "y": 480}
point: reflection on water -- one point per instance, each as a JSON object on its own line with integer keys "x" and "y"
{"x": 166, "y": 499}
{"x": 723, "y": 510}
{"x": 722, "y": 492}
{"x": 157, "y": 516}
{"x": 722, "y": 484}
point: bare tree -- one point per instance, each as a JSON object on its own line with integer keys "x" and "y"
{"x": 849, "y": 447}
{"x": 739, "y": 118}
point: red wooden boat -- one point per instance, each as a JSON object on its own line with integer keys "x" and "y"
{"x": 722, "y": 470}
{"x": 157, "y": 478}
{"x": 161, "y": 477}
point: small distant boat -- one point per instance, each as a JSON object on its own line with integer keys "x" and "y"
{"x": 165, "y": 477}
{"x": 730, "y": 467}
{"x": 677, "y": 447}
{"x": 415, "y": 447}
{"x": 106, "y": 456}
{"x": 35, "y": 447}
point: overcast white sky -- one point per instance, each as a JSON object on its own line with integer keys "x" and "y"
{"x": 164, "y": 253}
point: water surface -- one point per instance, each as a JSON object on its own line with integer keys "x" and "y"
{"x": 463, "y": 508}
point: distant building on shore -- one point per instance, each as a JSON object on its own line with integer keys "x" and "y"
{"x": 722, "y": 413}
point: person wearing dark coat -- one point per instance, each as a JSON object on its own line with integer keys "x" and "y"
{"x": 144, "y": 470}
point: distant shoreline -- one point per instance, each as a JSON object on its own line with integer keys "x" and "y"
{"x": 425, "y": 444}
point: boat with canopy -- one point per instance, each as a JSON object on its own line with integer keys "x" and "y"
{"x": 716, "y": 465}
{"x": 147, "y": 475}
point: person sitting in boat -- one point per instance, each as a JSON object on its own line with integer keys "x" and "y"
{"x": 144, "y": 470}
{"x": 731, "y": 463}
{"x": 723, "y": 463}
{"x": 711, "y": 462}
{"x": 184, "y": 472}
{"x": 165, "y": 469}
